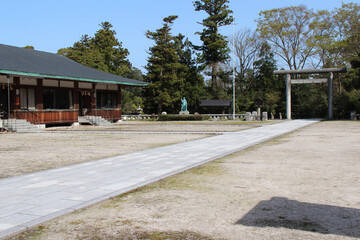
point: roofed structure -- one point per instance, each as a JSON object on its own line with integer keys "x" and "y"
{"x": 47, "y": 88}
{"x": 215, "y": 103}
{"x": 215, "y": 106}
{"x": 28, "y": 62}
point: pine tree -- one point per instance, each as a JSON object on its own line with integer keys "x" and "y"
{"x": 103, "y": 51}
{"x": 164, "y": 89}
{"x": 267, "y": 87}
{"x": 115, "y": 56}
{"x": 352, "y": 88}
{"x": 215, "y": 48}
{"x": 193, "y": 88}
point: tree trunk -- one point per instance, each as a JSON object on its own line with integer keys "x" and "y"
{"x": 160, "y": 101}
{"x": 213, "y": 77}
{"x": 159, "y": 107}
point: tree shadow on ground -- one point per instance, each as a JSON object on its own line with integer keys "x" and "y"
{"x": 282, "y": 212}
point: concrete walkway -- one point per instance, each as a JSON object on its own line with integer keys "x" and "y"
{"x": 31, "y": 199}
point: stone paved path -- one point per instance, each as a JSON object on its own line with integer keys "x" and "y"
{"x": 31, "y": 199}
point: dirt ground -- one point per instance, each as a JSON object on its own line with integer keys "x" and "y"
{"x": 304, "y": 185}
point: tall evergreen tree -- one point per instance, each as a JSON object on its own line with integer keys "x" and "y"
{"x": 348, "y": 18}
{"x": 132, "y": 97}
{"x": 29, "y": 47}
{"x": 349, "y": 99}
{"x": 85, "y": 53}
{"x": 267, "y": 86}
{"x": 103, "y": 51}
{"x": 114, "y": 55}
{"x": 194, "y": 87}
{"x": 164, "y": 89}
{"x": 215, "y": 48}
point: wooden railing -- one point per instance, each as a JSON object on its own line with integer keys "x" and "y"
{"x": 48, "y": 116}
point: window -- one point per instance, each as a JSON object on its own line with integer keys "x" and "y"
{"x": 106, "y": 100}
{"x": 27, "y": 98}
{"x": 54, "y": 98}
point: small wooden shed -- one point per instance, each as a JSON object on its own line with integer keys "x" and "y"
{"x": 215, "y": 106}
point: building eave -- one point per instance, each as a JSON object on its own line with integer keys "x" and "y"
{"x": 39, "y": 75}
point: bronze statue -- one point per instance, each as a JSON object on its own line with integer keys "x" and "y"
{"x": 183, "y": 105}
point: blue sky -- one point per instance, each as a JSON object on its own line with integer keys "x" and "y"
{"x": 49, "y": 25}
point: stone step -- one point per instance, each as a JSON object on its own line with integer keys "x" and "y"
{"x": 82, "y": 120}
{"x": 97, "y": 120}
{"x": 20, "y": 125}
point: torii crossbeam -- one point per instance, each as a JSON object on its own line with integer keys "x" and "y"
{"x": 329, "y": 80}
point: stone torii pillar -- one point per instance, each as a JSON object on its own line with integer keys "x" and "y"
{"x": 330, "y": 95}
{"x": 288, "y": 96}
{"x": 329, "y": 80}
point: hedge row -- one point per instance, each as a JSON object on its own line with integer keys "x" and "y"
{"x": 176, "y": 117}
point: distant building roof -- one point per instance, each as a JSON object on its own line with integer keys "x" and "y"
{"x": 28, "y": 62}
{"x": 215, "y": 103}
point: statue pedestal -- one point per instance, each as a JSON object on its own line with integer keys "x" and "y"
{"x": 184, "y": 113}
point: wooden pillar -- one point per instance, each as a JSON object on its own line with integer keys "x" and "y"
{"x": 93, "y": 97}
{"x": 330, "y": 97}
{"x": 118, "y": 100}
{"x": 76, "y": 95}
{"x": 15, "y": 94}
{"x": 39, "y": 95}
{"x": 288, "y": 96}
{"x": 8, "y": 97}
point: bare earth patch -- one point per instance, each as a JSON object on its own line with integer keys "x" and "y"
{"x": 304, "y": 185}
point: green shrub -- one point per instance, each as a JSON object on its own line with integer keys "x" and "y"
{"x": 176, "y": 117}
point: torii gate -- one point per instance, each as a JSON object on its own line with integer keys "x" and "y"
{"x": 329, "y": 80}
